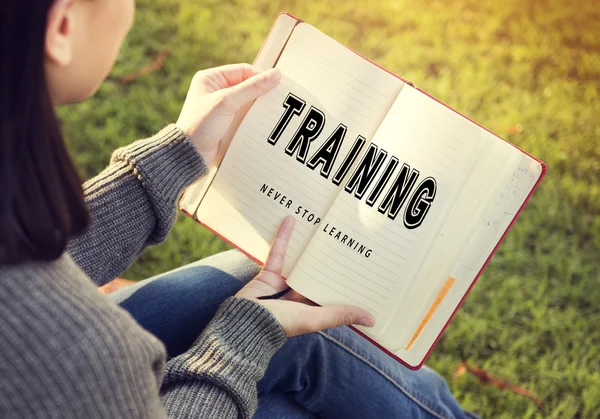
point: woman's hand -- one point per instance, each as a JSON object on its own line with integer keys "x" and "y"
{"x": 215, "y": 96}
{"x": 295, "y": 313}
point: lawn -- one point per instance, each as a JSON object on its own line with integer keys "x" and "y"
{"x": 528, "y": 70}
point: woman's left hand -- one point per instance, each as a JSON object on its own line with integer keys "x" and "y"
{"x": 296, "y": 314}
{"x": 215, "y": 95}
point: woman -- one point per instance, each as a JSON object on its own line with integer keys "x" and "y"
{"x": 66, "y": 350}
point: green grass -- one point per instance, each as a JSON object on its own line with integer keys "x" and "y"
{"x": 534, "y": 317}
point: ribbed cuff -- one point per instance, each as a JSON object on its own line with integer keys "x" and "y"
{"x": 165, "y": 163}
{"x": 249, "y": 328}
{"x": 223, "y": 366}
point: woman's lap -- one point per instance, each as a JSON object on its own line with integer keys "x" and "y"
{"x": 177, "y": 305}
{"x": 335, "y": 373}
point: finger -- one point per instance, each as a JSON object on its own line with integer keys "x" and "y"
{"x": 248, "y": 90}
{"x": 237, "y": 73}
{"x": 276, "y": 258}
{"x": 229, "y": 75}
{"x": 339, "y": 315}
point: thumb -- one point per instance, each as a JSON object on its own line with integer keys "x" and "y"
{"x": 251, "y": 88}
{"x": 339, "y": 315}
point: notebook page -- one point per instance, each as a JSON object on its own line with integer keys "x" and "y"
{"x": 518, "y": 174}
{"x": 258, "y": 183}
{"x": 422, "y": 298}
{"x": 430, "y": 139}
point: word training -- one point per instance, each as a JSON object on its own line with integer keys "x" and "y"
{"x": 390, "y": 195}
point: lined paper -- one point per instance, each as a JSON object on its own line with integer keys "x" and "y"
{"x": 348, "y": 90}
{"x": 428, "y": 137}
{"x": 502, "y": 161}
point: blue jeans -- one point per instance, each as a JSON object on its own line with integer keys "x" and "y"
{"x": 331, "y": 374}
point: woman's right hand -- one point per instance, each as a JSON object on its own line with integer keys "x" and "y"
{"x": 295, "y": 313}
{"x": 214, "y": 97}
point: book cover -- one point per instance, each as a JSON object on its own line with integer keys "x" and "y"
{"x": 400, "y": 201}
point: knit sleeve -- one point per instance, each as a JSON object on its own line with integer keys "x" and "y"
{"x": 67, "y": 351}
{"x": 220, "y": 372}
{"x": 132, "y": 202}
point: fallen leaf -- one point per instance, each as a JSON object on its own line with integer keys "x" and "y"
{"x": 514, "y": 129}
{"x": 155, "y": 65}
{"x": 461, "y": 368}
{"x": 115, "y": 285}
{"x": 487, "y": 378}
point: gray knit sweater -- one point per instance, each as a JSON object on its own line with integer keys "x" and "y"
{"x": 67, "y": 351}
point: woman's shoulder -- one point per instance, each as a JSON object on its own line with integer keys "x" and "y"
{"x": 65, "y": 345}
{"x": 53, "y": 307}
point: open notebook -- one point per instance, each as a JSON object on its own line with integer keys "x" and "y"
{"x": 399, "y": 200}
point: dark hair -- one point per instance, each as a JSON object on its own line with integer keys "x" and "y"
{"x": 41, "y": 199}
